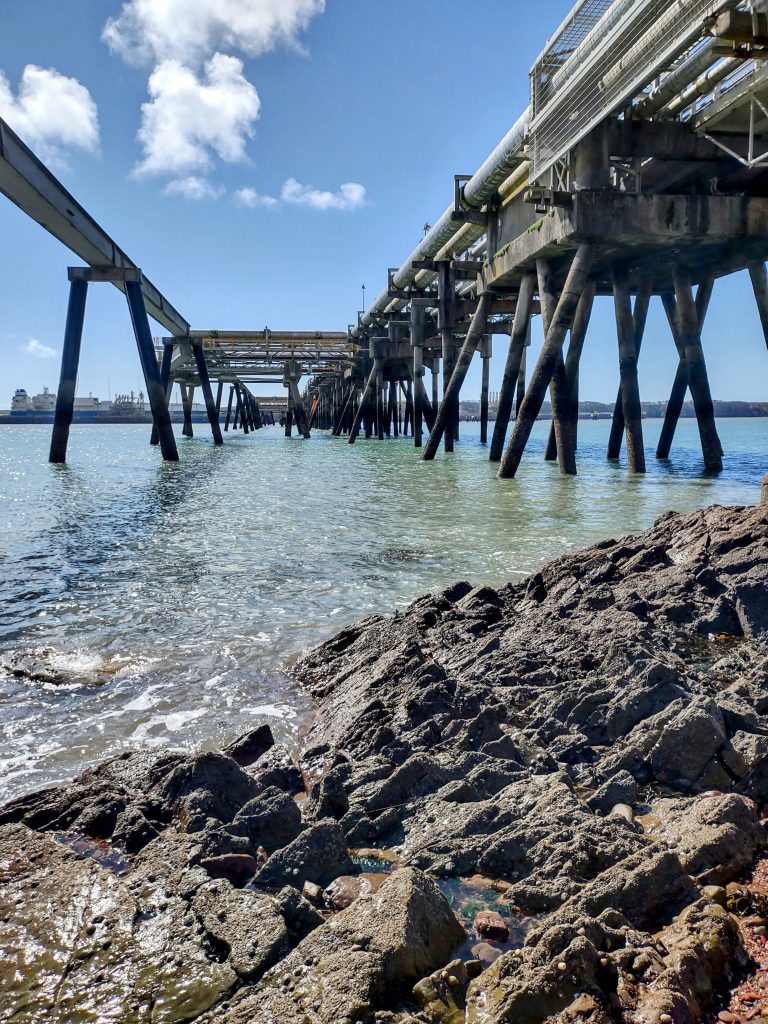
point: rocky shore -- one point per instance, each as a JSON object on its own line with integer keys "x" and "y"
{"x": 539, "y": 803}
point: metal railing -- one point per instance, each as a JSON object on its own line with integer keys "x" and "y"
{"x": 630, "y": 44}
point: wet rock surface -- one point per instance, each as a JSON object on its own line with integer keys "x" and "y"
{"x": 517, "y": 805}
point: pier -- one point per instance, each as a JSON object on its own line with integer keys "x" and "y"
{"x": 638, "y": 173}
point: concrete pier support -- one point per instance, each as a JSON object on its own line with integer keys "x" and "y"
{"x": 445, "y": 300}
{"x": 367, "y": 398}
{"x": 229, "y": 407}
{"x": 408, "y": 420}
{"x": 187, "y": 397}
{"x": 70, "y": 360}
{"x": 512, "y": 366}
{"x": 155, "y": 390}
{"x": 521, "y": 377}
{"x": 698, "y": 381}
{"x": 548, "y": 302}
{"x": 485, "y": 354}
{"x": 205, "y": 384}
{"x": 680, "y": 385}
{"x": 165, "y": 378}
{"x": 444, "y": 418}
{"x": 241, "y": 413}
{"x": 418, "y": 313}
{"x": 575, "y": 348}
{"x": 630, "y": 391}
{"x": 380, "y": 405}
{"x": 562, "y": 320}
{"x": 639, "y": 318}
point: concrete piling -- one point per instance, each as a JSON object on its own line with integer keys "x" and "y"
{"x": 576, "y": 281}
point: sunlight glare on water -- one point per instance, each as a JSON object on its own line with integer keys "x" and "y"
{"x": 168, "y": 601}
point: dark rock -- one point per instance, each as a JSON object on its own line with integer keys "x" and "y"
{"x": 237, "y": 868}
{"x": 318, "y": 854}
{"x": 328, "y": 797}
{"x": 299, "y": 915}
{"x": 621, "y": 789}
{"x": 272, "y": 821}
{"x": 245, "y": 927}
{"x": 275, "y": 770}
{"x": 365, "y": 957}
{"x": 249, "y": 747}
{"x": 204, "y": 787}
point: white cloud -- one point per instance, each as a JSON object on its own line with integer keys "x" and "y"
{"x": 188, "y": 118}
{"x": 251, "y": 198}
{"x": 351, "y": 196}
{"x": 151, "y": 31}
{"x": 50, "y": 112}
{"x": 193, "y": 188}
{"x": 37, "y": 348}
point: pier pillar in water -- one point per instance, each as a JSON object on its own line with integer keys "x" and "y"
{"x": 70, "y": 360}
{"x": 548, "y": 303}
{"x": 205, "y": 384}
{"x": 572, "y": 360}
{"x": 165, "y": 377}
{"x": 408, "y": 408}
{"x": 698, "y": 381}
{"x": 630, "y": 391}
{"x": 366, "y": 399}
{"x": 380, "y": 405}
{"x": 219, "y": 393}
{"x": 577, "y": 279}
{"x": 515, "y": 352}
{"x": 187, "y": 397}
{"x": 444, "y": 417}
{"x": 154, "y": 385}
{"x": 485, "y": 354}
{"x": 521, "y": 377}
{"x": 241, "y": 414}
{"x": 445, "y": 301}
{"x": 680, "y": 385}
{"x": 639, "y": 318}
{"x": 291, "y": 378}
{"x": 229, "y": 407}
{"x": 418, "y": 313}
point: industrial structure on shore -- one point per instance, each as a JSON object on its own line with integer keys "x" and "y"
{"x": 640, "y": 169}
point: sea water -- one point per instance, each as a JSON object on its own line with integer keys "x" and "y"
{"x": 165, "y": 603}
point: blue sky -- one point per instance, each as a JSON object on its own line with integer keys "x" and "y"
{"x": 391, "y": 98}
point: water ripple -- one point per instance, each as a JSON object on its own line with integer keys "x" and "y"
{"x": 172, "y": 599}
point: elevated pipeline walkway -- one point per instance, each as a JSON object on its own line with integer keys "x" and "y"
{"x": 639, "y": 170}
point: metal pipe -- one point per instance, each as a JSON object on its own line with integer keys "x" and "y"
{"x": 702, "y": 85}
{"x": 679, "y": 78}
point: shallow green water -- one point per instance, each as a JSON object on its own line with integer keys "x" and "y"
{"x": 184, "y": 591}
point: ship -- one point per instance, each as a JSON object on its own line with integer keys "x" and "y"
{"x": 127, "y": 408}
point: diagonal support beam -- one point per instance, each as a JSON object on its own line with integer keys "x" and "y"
{"x": 444, "y": 418}
{"x": 515, "y": 352}
{"x": 575, "y": 284}
{"x": 639, "y": 318}
{"x": 680, "y": 385}
{"x": 205, "y": 384}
